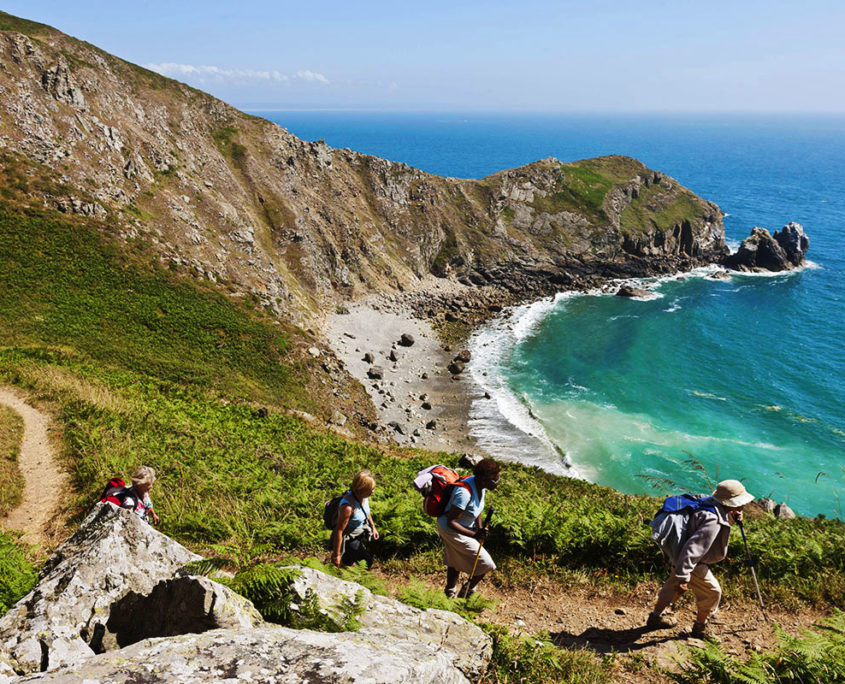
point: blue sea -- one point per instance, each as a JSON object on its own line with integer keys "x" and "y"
{"x": 707, "y": 379}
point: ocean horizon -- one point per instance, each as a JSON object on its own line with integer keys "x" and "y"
{"x": 704, "y": 379}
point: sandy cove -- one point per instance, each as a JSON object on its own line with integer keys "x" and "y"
{"x": 418, "y": 376}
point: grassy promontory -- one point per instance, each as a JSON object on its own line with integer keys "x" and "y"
{"x": 140, "y": 366}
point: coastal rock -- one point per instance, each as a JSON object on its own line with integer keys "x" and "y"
{"x": 393, "y": 356}
{"x": 431, "y": 425}
{"x": 456, "y": 367}
{"x": 766, "y": 504}
{"x": 407, "y": 340}
{"x": 463, "y": 356}
{"x": 112, "y": 553}
{"x": 631, "y": 291}
{"x": 760, "y": 251}
{"x": 369, "y": 358}
{"x": 469, "y": 461}
{"x": 375, "y": 372}
{"x": 784, "y": 512}
{"x": 794, "y": 242}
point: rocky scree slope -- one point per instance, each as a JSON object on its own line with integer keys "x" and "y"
{"x": 237, "y": 199}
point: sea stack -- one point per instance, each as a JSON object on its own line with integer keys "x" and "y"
{"x": 762, "y": 251}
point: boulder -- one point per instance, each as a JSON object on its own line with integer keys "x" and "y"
{"x": 337, "y": 419}
{"x": 766, "y": 504}
{"x": 456, "y": 367}
{"x": 464, "y": 356}
{"x": 431, "y": 425}
{"x": 393, "y": 356}
{"x": 265, "y": 654}
{"x": 388, "y": 621}
{"x": 375, "y": 372}
{"x": 369, "y": 358}
{"x": 469, "y": 461}
{"x": 112, "y": 553}
{"x": 783, "y": 511}
{"x": 407, "y": 340}
{"x": 761, "y": 251}
{"x": 630, "y": 291}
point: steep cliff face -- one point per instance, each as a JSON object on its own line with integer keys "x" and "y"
{"x": 234, "y": 198}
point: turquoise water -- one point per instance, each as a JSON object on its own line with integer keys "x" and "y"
{"x": 746, "y": 375}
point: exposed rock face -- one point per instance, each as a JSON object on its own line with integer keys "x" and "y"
{"x": 387, "y": 620}
{"x": 761, "y": 251}
{"x": 112, "y": 553}
{"x": 268, "y": 654}
{"x": 225, "y": 196}
{"x": 109, "y": 608}
{"x": 630, "y": 291}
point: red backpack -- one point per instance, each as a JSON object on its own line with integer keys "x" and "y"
{"x": 436, "y": 484}
{"x": 115, "y": 492}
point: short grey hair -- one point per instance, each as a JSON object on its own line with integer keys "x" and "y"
{"x": 143, "y": 475}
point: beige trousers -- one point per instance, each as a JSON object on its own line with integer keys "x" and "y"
{"x": 459, "y": 552}
{"x": 703, "y": 584}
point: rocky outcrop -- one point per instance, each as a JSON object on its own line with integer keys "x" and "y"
{"x": 114, "y": 604}
{"x": 762, "y": 251}
{"x": 275, "y": 655}
{"x": 112, "y": 553}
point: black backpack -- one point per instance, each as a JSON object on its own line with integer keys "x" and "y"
{"x": 330, "y": 512}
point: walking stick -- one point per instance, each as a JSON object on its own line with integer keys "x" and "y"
{"x": 478, "y": 553}
{"x": 753, "y": 573}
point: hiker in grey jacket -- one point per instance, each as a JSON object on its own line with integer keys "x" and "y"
{"x": 706, "y": 544}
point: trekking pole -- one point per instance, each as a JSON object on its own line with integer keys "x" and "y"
{"x": 753, "y": 573}
{"x": 478, "y": 553}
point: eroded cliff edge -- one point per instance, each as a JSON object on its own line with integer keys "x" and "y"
{"x": 238, "y": 200}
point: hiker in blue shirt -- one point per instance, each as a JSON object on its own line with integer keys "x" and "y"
{"x": 461, "y": 530}
{"x": 354, "y": 523}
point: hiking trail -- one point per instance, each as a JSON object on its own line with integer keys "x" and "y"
{"x": 44, "y": 481}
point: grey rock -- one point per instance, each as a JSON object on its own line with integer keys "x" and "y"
{"x": 392, "y": 356}
{"x": 183, "y": 605}
{"x": 314, "y": 351}
{"x": 59, "y": 82}
{"x": 784, "y": 512}
{"x": 338, "y": 419}
{"x": 766, "y": 504}
{"x": 112, "y": 553}
{"x": 276, "y": 655}
{"x": 375, "y": 372}
{"x": 456, "y": 367}
{"x": 431, "y": 425}
{"x": 397, "y": 427}
{"x": 467, "y": 646}
{"x": 760, "y": 251}
{"x": 426, "y": 405}
{"x": 469, "y": 461}
{"x": 407, "y": 340}
{"x": 369, "y": 358}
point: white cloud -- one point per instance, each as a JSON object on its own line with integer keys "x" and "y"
{"x": 206, "y": 73}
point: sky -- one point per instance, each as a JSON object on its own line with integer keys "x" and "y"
{"x": 531, "y": 55}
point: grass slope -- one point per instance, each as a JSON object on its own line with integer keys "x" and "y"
{"x": 11, "y": 481}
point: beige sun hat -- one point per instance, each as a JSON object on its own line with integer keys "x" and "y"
{"x": 732, "y": 493}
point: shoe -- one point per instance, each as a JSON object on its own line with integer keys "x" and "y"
{"x": 451, "y": 592}
{"x": 660, "y": 622}
{"x": 465, "y": 591}
{"x": 699, "y": 631}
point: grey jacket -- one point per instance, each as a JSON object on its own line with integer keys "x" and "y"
{"x": 707, "y": 542}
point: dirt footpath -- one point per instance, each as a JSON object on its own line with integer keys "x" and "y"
{"x": 44, "y": 481}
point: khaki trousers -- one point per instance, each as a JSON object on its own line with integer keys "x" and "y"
{"x": 703, "y": 584}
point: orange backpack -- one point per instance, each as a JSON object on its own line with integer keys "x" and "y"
{"x": 436, "y": 484}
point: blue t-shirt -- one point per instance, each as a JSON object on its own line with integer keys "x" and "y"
{"x": 360, "y": 511}
{"x": 470, "y": 501}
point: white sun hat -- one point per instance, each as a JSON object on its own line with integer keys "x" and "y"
{"x": 732, "y": 493}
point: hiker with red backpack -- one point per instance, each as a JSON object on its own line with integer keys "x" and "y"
{"x": 461, "y": 530}
{"x": 694, "y": 533}
{"x": 354, "y": 522}
{"x": 135, "y": 498}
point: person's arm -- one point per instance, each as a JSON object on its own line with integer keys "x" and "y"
{"x": 695, "y": 548}
{"x": 153, "y": 514}
{"x": 344, "y": 512}
{"x": 454, "y": 514}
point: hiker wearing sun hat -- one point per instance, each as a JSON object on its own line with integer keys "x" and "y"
{"x": 708, "y": 530}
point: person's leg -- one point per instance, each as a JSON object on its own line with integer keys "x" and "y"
{"x": 355, "y": 552}
{"x": 708, "y": 594}
{"x": 484, "y": 566}
{"x": 668, "y": 594}
{"x": 451, "y": 582}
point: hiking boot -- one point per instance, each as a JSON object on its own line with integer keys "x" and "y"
{"x": 699, "y": 631}
{"x": 660, "y": 622}
{"x": 451, "y": 592}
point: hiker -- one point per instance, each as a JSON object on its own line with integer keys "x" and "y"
{"x": 706, "y": 543}
{"x": 462, "y": 532}
{"x": 354, "y": 523}
{"x": 137, "y": 497}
